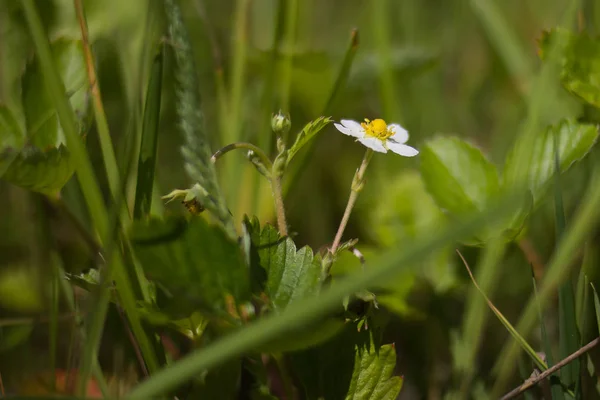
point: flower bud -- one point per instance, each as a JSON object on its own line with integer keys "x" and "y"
{"x": 281, "y": 123}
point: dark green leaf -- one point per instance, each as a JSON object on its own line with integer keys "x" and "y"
{"x": 12, "y": 336}
{"x": 37, "y": 158}
{"x": 579, "y": 58}
{"x": 307, "y": 133}
{"x": 372, "y": 378}
{"x": 291, "y": 275}
{"x": 574, "y": 142}
{"x": 195, "y": 262}
{"x": 149, "y": 143}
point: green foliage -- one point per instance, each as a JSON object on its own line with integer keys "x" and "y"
{"x": 574, "y": 142}
{"x": 149, "y": 143}
{"x": 196, "y": 263}
{"x": 372, "y": 378}
{"x": 36, "y": 157}
{"x": 579, "y": 60}
{"x": 307, "y": 134}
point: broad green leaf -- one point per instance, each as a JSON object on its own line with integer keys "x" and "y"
{"x": 372, "y": 378}
{"x": 457, "y": 175}
{"x": 291, "y": 274}
{"x": 306, "y": 134}
{"x": 43, "y": 128}
{"x": 197, "y": 264}
{"x": 36, "y": 158}
{"x": 325, "y": 371}
{"x": 461, "y": 180}
{"x": 579, "y": 60}
{"x": 574, "y": 142}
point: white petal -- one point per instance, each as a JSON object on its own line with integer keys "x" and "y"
{"x": 355, "y": 126}
{"x": 346, "y": 131}
{"x": 373, "y": 143}
{"x": 349, "y": 129}
{"x": 400, "y": 134}
{"x": 402, "y": 149}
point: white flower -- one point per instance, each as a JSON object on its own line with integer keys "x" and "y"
{"x": 379, "y": 136}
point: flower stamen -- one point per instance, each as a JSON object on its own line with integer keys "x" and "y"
{"x": 377, "y": 129}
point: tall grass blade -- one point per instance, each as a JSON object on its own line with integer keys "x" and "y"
{"x": 303, "y": 312}
{"x": 513, "y": 332}
{"x": 476, "y": 310}
{"x": 149, "y": 141}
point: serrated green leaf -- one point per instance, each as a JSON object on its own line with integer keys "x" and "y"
{"x": 372, "y": 378}
{"x": 579, "y": 58}
{"x": 462, "y": 180}
{"x": 36, "y": 158}
{"x": 291, "y": 274}
{"x": 41, "y": 171}
{"x": 574, "y": 141}
{"x": 306, "y": 134}
{"x": 196, "y": 262}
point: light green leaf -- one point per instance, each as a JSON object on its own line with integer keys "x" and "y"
{"x": 197, "y": 264}
{"x": 579, "y": 59}
{"x": 43, "y": 128}
{"x": 372, "y": 378}
{"x": 36, "y": 157}
{"x": 306, "y": 134}
{"x": 574, "y": 141}
{"x": 462, "y": 180}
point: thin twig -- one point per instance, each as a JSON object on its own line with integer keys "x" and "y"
{"x": 528, "y": 384}
{"x": 242, "y": 145}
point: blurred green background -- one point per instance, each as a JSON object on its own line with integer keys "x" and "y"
{"x": 434, "y": 66}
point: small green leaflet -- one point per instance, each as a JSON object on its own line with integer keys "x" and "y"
{"x": 372, "y": 378}
{"x": 307, "y": 133}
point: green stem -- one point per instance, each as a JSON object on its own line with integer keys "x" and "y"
{"x": 242, "y": 145}
{"x": 357, "y": 185}
{"x": 279, "y": 206}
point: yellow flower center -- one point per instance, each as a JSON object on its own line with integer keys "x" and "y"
{"x": 377, "y": 129}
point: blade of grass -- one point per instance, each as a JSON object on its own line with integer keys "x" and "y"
{"x": 301, "y": 313}
{"x": 149, "y": 141}
{"x": 555, "y": 384}
{"x": 476, "y": 310}
{"x": 586, "y": 218}
{"x": 106, "y": 145}
{"x": 568, "y": 335}
{"x": 513, "y": 332}
{"x": 338, "y": 86}
{"x": 290, "y": 33}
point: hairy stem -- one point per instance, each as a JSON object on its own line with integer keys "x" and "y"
{"x": 241, "y": 145}
{"x": 357, "y": 185}
{"x": 279, "y": 207}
